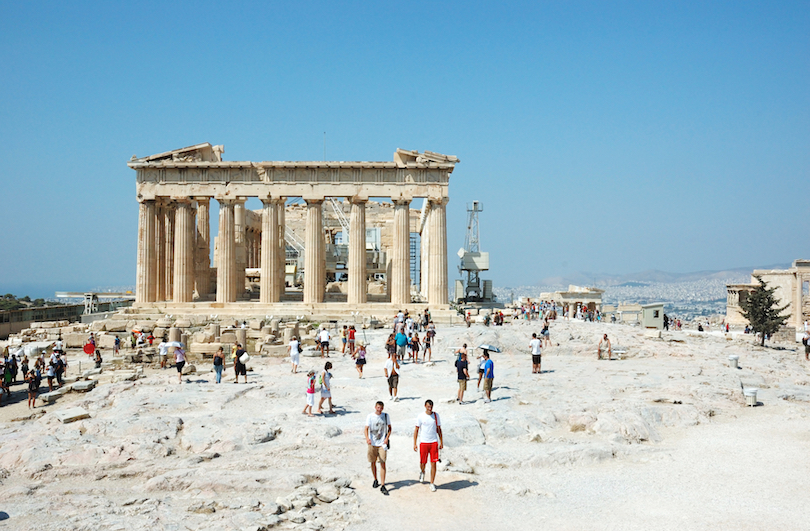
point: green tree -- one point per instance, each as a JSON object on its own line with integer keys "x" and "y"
{"x": 761, "y": 310}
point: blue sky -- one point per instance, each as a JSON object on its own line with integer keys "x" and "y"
{"x": 601, "y": 137}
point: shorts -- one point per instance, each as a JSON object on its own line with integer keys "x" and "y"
{"x": 536, "y": 359}
{"x": 462, "y": 385}
{"x": 488, "y": 384}
{"x": 180, "y": 365}
{"x": 240, "y": 369}
{"x": 310, "y": 399}
{"x": 480, "y": 370}
{"x": 351, "y": 342}
{"x": 344, "y": 340}
{"x": 393, "y": 381}
{"x": 401, "y": 350}
{"x": 360, "y": 361}
{"x": 545, "y": 333}
{"x": 376, "y": 453}
{"x": 325, "y": 344}
{"x": 429, "y": 448}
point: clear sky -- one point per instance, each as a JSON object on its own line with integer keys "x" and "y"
{"x": 608, "y": 137}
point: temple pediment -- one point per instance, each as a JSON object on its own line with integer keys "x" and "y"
{"x": 197, "y": 153}
{"x": 406, "y": 157}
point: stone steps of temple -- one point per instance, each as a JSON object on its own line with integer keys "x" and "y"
{"x": 323, "y": 312}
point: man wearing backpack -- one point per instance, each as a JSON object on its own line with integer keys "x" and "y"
{"x": 378, "y": 431}
{"x": 428, "y": 435}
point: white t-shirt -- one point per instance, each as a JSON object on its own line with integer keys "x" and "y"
{"x": 389, "y": 366}
{"x": 294, "y": 347}
{"x": 163, "y": 348}
{"x": 535, "y": 344}
{"x": 324, "y": 335}
{"x": 427, "y": 427}
{"x": 377, "y": 427}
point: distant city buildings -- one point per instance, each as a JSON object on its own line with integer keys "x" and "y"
{"x": 684, "y": 300}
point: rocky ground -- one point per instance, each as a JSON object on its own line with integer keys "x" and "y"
{"x": 660, "y": 439}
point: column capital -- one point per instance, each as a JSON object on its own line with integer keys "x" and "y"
{"x": 440, "y": 201}
{"x": 359, "y": 198}
{"x": 201, "y": 199}
{"x": 314, "y": 200}
{"x": 400, "y": 201}
{"x": 182, "y": 200}
{"x": 267, "y": 201}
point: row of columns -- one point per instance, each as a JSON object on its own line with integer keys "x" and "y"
{"x": 173, "y": 251}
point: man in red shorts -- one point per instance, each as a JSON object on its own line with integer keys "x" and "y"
{"x": 428, "y": 433}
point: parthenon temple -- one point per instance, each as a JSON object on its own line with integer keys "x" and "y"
{"x": 300, "y": 236}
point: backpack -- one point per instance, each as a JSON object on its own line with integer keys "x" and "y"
{"x": 217, "y": 361}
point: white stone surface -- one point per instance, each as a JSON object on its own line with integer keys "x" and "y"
{"x": 71, "y": 414}
{"x": 574, "y": 448}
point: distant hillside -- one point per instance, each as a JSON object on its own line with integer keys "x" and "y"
{"x": 579, "y": 278}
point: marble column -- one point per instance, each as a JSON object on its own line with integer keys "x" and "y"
{"x": 358, "y": 286}
{"x": 269, "y": 289}
{"x": 400, "y": 260}
{"x": 168, "y": 271}
{"x": 226, "y": 252}
{"x": 241, "y": 248}
{"x": 424, "y": 268}
{"x": 281, "y": 270}
{"x": 160, "y": 243}
{"x": 437, "y": 290}
{"x": 145, "y": 282}
{"x": 315, "y": 257}
{"x": 184, "y": 242}
{"x": 257, "y": 247}
{"x": 252, "y": 262}
{"x": 202, "y": 261}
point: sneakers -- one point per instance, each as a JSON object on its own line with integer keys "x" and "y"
{"x": 396, "y": 399}
{"x": 432, "y": 487}
{"x": 487, "y": 401}
{"x": 384, "y": 490}
{"x": 421, "y": 477}
{"x": 375, "y": 484}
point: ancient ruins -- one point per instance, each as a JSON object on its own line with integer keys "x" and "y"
{"x": 792, "y": 289}
{"x": 175, "y": 272}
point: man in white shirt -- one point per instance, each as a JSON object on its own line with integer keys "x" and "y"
{"x": 323, "y": 337}
{"x": 534, "y": 344}
{"x": 378, "y": 431}
{"x": 392, "y": 375}
{"x": 163, "y": 349}
{"x": 428, "y": 435}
